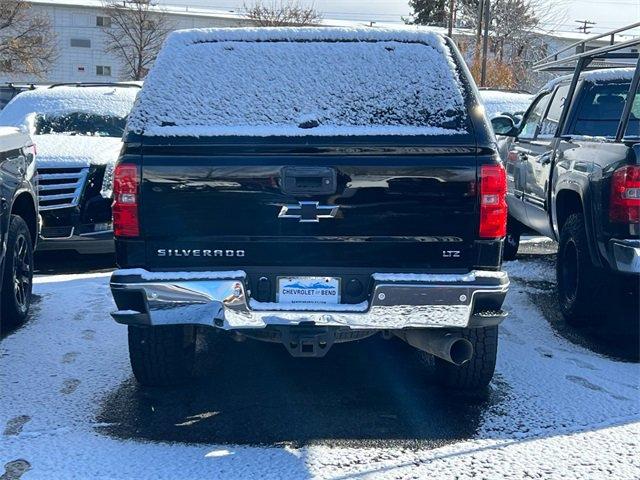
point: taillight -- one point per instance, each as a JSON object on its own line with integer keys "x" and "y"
{"x": 126, "y": 183}
{"x": 493, "y": 201}
{"x": 624, "y": 206}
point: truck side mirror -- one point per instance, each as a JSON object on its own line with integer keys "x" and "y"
{"x": 503, "y": 125}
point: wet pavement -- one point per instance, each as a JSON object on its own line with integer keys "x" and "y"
{"x": 373, "y": 392}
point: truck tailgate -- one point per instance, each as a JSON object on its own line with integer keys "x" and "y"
{"x": 300, "y": 204}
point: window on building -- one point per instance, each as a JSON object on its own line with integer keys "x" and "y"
{"x": 81, "y": 42}
{"x": 103, "y": 22}
{"x": 103, "y": 70}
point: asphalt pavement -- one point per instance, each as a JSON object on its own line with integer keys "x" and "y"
{"x": 564, "y": 402}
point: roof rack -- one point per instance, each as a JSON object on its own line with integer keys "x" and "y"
{"x": 598, "y": 58}
{"x": 18, "y": 85}
{"x": 97, "y": 84}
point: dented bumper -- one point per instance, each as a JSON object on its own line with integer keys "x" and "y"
{"x": 396, "y": 301}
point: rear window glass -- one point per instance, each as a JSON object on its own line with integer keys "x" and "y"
{"x": 601, "y": 108}
{"x": 301, "y": 86}
{"x": 80, "y": 123}
{"x": 633, "y": 128}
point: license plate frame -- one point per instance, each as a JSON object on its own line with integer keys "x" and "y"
{"x": 310, "y": 284}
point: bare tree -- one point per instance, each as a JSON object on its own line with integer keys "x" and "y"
{"x": 135, "y": 33}
{"x": 284, "y": 13}
{"x": 27, "y": 42}
{"x": 517, "y": 29}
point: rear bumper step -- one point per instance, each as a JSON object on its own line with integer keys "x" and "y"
{"x": 220, "y": 299}
{"x": 626, "y": 254}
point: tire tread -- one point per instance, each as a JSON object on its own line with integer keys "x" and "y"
{"x": 477, "y": 372}
{"x": 159, "y": 356}
{"x": 11, "y": 316}
{"x": 592, "y": 280}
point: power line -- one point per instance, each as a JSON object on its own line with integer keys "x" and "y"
{"x": 586, "y": 25}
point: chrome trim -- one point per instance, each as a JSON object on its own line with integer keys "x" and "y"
{"x": 54, "y": 239}
{"x": 330, "y": 211}
{"x": 68, "y": 199}
{"x": 626, "y": 254}
{"x": 173, "y": 298}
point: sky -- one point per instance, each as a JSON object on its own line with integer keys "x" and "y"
{"x": 608, "y": 14}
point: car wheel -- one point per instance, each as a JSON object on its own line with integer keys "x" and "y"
{"x": 580, "y": 283}
{"x": 475, "y": 375}
{"x": 512, "y": 240}
{"x": 164, "y": 355}
{"x": 18, "y": 273}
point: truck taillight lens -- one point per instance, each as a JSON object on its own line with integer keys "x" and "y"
{"x": 493, "y": 201}
{"x": 126, "y": 185}
{"x": 624, "y": 206}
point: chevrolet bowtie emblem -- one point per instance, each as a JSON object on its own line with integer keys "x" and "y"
{"x": 308, "y": 211}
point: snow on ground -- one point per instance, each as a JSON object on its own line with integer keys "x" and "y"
{"x": 307, "y": 81}
{"x": 566, "y": 412}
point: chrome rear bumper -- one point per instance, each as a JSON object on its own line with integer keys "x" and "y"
{"x": 220, "y": 299}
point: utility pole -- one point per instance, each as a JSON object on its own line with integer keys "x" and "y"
{"x": 586, "y": 25}
{"x": 452, "y": 9}
{"x": 485, "y": 42}
{"x": 479, "y": 29}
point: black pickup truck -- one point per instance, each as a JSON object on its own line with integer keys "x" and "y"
{"x": 573, "y": 173}
{"x": 310, "y": 187}
{"x": 18, "y": 224}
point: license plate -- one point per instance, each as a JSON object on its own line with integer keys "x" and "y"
{"x": 320, "y": 290}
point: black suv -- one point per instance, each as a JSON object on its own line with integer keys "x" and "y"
{"x": 573, "y": 171}
{"x": 18, "y": 224}
{"x": 78, "y": 132}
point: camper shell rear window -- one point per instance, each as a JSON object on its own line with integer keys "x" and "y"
{"x": 308, "y": 81}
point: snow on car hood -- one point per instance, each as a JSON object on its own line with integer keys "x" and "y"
{"x": 76, "y": 150}
{"x": 496, "y": 102}
{"x": 113, "y": 101}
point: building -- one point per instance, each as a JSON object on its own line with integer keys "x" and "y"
{"x": 78, "y": 26}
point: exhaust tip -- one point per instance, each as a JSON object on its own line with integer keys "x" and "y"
{"x": 461, "y": 351}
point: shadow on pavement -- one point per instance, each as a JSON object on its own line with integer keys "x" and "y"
{"x": 616, "y": 334}
{"x": 368, "y": 393}
{"x": 68, "y": 262}
{"x": 34, "y": 311}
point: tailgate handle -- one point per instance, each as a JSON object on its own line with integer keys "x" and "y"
{"x": 308, "y": 180}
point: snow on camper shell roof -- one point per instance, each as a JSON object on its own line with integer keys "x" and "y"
{"x": 113, "y": 101}
{"x": 301, "y": 81}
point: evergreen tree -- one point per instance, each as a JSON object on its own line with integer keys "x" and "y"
{"x": 428, "y": 12}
